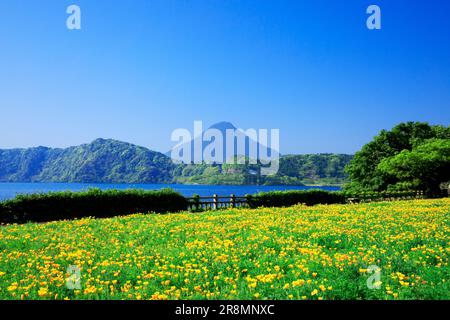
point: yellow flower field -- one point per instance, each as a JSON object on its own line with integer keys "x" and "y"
{"x": 321, "y": 252}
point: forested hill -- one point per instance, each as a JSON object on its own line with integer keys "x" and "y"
{"x": 307, "y": 169}
{"x": 315, "y": 168}
{"x": 111, "y": 161}
{"x": 101, "y": 161}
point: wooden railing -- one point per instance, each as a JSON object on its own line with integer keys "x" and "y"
{"x": 215, "y": 202}
{"x": 201, "y": 203}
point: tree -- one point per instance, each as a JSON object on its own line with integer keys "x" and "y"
{"x": 423, "y": 168}
{"x": 362, "y": 170}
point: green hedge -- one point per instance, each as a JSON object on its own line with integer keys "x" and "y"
{"x": 376, "y": 196}
{"x": 313, "y": 197}
{"x": 92, "y": 203}
{"x": 102, "y": 204}
{"x": 290, "y": 198}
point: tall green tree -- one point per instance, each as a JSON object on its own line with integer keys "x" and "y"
{"x": 363, "y": 168}
{"x": 423, "y": 168}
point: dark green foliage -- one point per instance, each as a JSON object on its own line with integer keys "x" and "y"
{"x": 425, "y": 167}
{"x": 290, "y": 198}
{"x": 313, "y": 197}
{"x": 93, "y": 203}
{"x": 363, "y": 169}
{"x": 380, "y": 196}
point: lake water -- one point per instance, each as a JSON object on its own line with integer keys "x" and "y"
{"x": 10, "y": 190}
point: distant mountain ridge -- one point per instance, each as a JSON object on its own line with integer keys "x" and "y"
{"x": 262, "y": 151}
{"x": 112, "y": 161}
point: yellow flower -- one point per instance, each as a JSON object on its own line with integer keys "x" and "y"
{"x": 42, "y": 292}
{"x": 298, "y": 283}
{"x": 12, "y": 287}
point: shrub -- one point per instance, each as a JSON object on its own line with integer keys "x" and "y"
{"x": 96, "y": 203}
{"x": 290, "y": 198}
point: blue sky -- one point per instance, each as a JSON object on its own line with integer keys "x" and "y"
{"x": 137, "y": 70}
